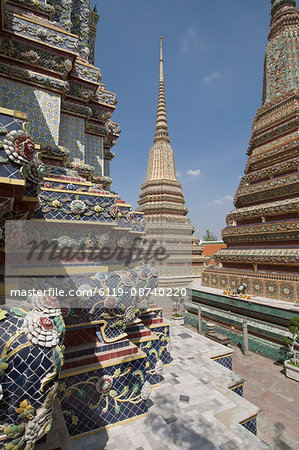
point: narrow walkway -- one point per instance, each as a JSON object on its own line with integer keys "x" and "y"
{"x": 191, "y": 409}
{"x": 277, "y": 397}
{"x": 267, "y": 387}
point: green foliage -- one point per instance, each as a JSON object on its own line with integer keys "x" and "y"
{"x": 209, "y": 236}
{"x": 294, "y": 338}
{"x": 177, "y": 303}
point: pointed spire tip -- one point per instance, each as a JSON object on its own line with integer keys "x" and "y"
{"x": 161, "y": 122}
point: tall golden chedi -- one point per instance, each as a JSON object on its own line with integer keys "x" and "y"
{"x": 162, "y": 199}
{"x": 262, "y": 232}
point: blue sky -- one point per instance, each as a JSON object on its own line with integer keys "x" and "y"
{"x": 213, "y": 65}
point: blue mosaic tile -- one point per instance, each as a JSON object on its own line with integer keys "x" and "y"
{"x": 250, "y": 425}
{"x": 226, "y": 362}
{"x": 42, "y": 108}
{"x": 164, "y": 342}
{"x": 74, "y": 142}
{"x": 238, "y": 390}
{"x": 89, "y": 403}
{"x": 94, "y": 153}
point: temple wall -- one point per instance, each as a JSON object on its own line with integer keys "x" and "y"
{"x": 107, "y": 168}
{"x": 41, "y": 106}
{"x": 75, "y": 142}
{"x": 95, "y": 153}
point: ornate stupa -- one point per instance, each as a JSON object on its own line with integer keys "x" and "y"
{"x": 161, "y": 195}
{"x": 56, "y": 138}
{"x": 162, "y": 199}
{"x": 262, "y": 231}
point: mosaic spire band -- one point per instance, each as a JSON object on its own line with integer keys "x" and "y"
{"x": 262, "y": 231}
{"x": 161, "y": 195}
{"x": 162, "y": 199}
{"x": 161, "y": 123}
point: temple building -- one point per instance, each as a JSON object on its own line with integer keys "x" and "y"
{"x": 262, "y": 231}
{"x": 262, "y": 234}
{"x": 87, "y": 356}
{"x": 162, "y": 201}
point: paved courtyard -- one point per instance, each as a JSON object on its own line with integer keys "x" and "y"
{"x": 266, "y": 387}
{"x": 191, "y": 409}
{"x": 277, "y": 397}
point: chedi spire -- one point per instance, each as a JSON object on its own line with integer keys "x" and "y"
{"x": 161, "y": 122}
{"x": 161, "y": 194}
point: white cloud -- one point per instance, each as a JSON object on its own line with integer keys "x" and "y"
{"x": 193, "y": 173}
{"x": 213, "y": 76}
{"x": 191, "y": 40}
{"x": 178, "y": 174}
{"x": 221, "y": 201}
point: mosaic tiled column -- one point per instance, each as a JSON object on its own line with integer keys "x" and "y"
{"x": 75, "y": 142}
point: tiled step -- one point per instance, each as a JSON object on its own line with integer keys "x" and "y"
{"x": 91, "y": 349}
{"x": 100, "y": 357}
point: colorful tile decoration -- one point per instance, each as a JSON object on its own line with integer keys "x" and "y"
{"x": 238, "y": 389}
{"x": 250, "y": 425}
{"x": 262, "y": 230}
{"x": 28, "y": 372}
{"x": 225, "y": 361}
{"x": 75, "y": 142}
{"x": 42, "y": 108}
{"x": 107, "y": 167}
{"x": 94, "y": 153}
{"x": 93, "y": 399}
{"x": 111, "y": 358}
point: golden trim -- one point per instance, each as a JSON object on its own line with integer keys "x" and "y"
{"x": 9, "y": 112}
{"x": 102, "y": 365}
{"x": 101, "y": 103}
{"x": 51, "y": 27}
{"x": 123, "y": 204}
{"x": 157, "y": 325}
{"x": 12, "y": 181}
{"x": 83, "y": 324}
{"x": 87, "y": 183}
{"x": 89, "y": 433}
{"x": 30, "y": 199}
{"x": 62, "y": 270}
{"x": 83, "y": 63}
{"x": 45, "y": 44}
{"x": 156, "y": 385}
{"x": 36, "y": 66}
{"x": 15, "y": 113}
{"x": 103, "y": 324}
{"x": 247, "y": 420}
{"x": 144, "y": 339}
{"x": 21, "y": 115}
{"x": 223, "y": 356}
{"x": 59, "y": 158}
{"x": 104, "y": 90}
{"x": 76, "y": 192}
{"x": 75, "y": 221}
{"x": 16, "y": 350}
{"x": 236, "y": 386}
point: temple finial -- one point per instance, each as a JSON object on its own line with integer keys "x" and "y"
{"x": 277, "y": 4}
{"x": 161, "y": 123}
